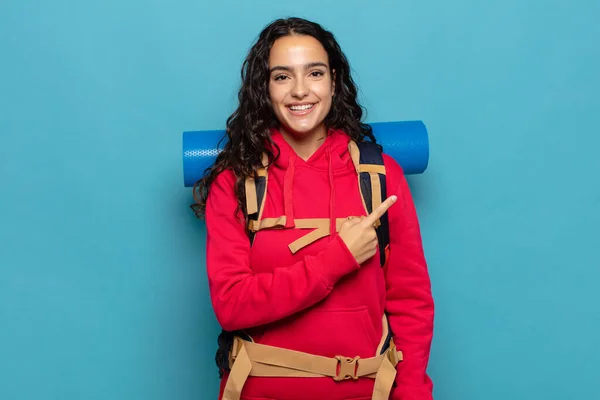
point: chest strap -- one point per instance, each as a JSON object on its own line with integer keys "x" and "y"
{"x": 320, "y": 226}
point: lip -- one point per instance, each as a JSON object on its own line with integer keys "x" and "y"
{"x": 301, "y": 112}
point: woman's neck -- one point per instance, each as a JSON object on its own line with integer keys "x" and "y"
{"x": 306, "y": 144}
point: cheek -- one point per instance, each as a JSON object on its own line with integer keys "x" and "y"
{"x": 324, "y": 91}
{"x": 276, "y": 94}
{"x": 325, "y": 94}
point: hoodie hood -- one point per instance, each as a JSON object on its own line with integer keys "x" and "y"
{"x": 332, "y": 157}
{"x": 333, "y": 152}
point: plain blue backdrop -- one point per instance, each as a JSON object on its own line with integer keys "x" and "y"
{"x": 103, "y": 293}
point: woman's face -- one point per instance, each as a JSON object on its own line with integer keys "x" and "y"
{"x": 300, "y": 85}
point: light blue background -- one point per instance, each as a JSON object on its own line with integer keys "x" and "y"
{"x": 103, "y": 292}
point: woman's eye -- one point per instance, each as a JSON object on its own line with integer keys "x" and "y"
{"x": 316, "y": 73}
{"x": 280, "y": 77}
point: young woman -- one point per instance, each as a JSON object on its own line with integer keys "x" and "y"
{"x": 301, "y": 289}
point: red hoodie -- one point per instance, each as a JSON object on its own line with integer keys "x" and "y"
{"x": 320, "y": 300}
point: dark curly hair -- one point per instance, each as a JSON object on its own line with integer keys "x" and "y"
{"x": 248, "y": 128}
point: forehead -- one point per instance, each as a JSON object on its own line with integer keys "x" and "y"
{"x": 297, "y": 50}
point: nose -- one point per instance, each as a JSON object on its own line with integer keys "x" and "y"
{"x": 300, "y": 89}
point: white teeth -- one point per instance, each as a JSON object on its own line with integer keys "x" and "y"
{"x": 301, "y": 108}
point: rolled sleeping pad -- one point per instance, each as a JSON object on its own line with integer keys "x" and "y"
{"x": 405, "y": 141}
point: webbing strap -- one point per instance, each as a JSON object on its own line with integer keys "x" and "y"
{"x": 252, "y": 194}
{"x": 384, "y": 380}
{"x": 252, "y": 359}
{"x": 370, "y": 167}
{"x": 378, "y": 169}
{"x": 374, "y": 171}
{"x": 375, "y": 193}
{"x": 251, "y": 200}
{"x": 266, "y": 223}
{"x": 251, "y": 197}
{"x": 355, "y": 155}
{"x": 321, "y": 226}
{"x": 238, "y": 375}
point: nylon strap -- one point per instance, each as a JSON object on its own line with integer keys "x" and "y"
{"x": 375, "y": 193}
{"x": 378, "y": 169}
{"x": 321, "y": 228}
{"x": 251, "y": 200}
{"x": 253, "y": 359}
{"x": 266, "y": 223}
{"x": 250, "y": 185}
{"x": 355, "y": 155}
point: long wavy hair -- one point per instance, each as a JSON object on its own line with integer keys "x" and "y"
{"x": 248, "y": 128}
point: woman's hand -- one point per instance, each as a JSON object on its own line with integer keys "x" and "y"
{"x": 358, "y": 233}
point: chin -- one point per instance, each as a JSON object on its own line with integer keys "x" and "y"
{"x": 304, "y": 130}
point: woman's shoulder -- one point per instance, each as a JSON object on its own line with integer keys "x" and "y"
{"x": 223, "y": 184}
{"x": 221, "y": 194}
{"x": 225, "y": 177}
{"x": 392, "y": 167}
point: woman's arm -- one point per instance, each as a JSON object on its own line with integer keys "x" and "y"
{"x": 409, "y": 302}
{"x": 243, "y": 299}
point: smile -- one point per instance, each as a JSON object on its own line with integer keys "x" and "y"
{"x": 300, "y": 110}
{"x": 303, "y": 107}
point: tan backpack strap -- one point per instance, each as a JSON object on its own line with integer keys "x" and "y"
{"x": 268, "y": 223}
{"x": 253, "y": 359}
{"x": 354, "y": 154}
{"x": 239, "y": 372}
{"x": 251, "y": 197}
{"x": 251, "y": 200}
{"x": 371, "y": 168}
{"x": 374, "y": 171}
{"x": 321, "y": 228}
{"x": 263, "y": 172}
{"x": 375, "y": 193}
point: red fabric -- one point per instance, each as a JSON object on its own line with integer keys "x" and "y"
{"x": 320, "y": 300}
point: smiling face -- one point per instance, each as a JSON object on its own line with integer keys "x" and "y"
{"x": 300, "y": 85}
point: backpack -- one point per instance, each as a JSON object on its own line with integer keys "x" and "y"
{"x": 368, "y": 160}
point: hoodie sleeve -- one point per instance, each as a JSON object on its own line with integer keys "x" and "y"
{"x": 242, "y": 298}
{"x": 409, "y": 302}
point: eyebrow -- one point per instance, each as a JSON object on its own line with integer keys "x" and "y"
{"x": 306, "y": 66}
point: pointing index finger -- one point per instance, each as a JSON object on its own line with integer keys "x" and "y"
{"x": 379, "y": 211}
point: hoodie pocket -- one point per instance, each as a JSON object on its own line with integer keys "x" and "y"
{"x": 347, "y": 332}
{"x": 369, "y": 327}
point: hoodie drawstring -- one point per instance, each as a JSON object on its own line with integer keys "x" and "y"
{"x": 332, "y": 219}
{"x": 288, "y": 184}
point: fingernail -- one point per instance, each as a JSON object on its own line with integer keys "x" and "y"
{"x": 394, "y": 198}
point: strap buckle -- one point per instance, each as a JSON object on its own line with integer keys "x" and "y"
{"x": 346, "y": 368}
